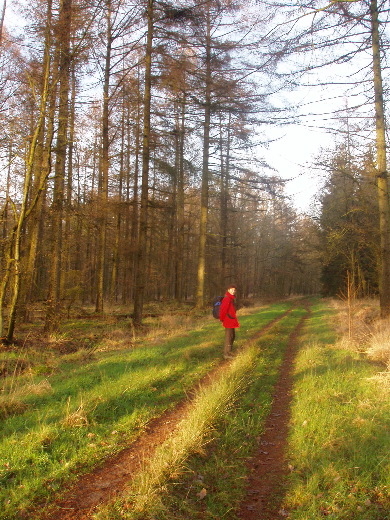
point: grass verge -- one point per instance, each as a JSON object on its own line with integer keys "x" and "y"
{"x": 89, "y": 406}
{"x": 339, "y": 442}
{"x": 200, "y": 471}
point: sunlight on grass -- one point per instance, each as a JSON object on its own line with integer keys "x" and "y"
{"x": 190, "y": 436}
{"x": 197, "y": 473}
{"x": 65, "y": 413}
{"x": 59, "y": 410}
{"x": 339, "y": 436}
{"x": 379, "y": 343}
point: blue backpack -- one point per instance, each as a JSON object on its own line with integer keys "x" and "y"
{"x": 216, "y": 306}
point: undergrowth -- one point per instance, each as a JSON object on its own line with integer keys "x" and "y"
{"x": 208, "y": 479}
{"x": 91, "y": 404}
{"x": 338, "y": 447}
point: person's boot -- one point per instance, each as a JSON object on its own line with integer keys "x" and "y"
{"x": 228, "y": 355}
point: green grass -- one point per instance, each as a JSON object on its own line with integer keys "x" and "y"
{"x": 89, "y": 406}
{"x": 209, "y": 483}
{"x": 65, "y": 414}
{"x": 339, "y": 442}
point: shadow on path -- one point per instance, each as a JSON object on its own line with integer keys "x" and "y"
{"x": 268, "y": 467}
{"x": 103, "y": 484}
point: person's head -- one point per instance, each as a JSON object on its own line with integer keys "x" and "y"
{"x": 232, "y": 289}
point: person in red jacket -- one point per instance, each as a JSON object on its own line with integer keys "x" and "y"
{"x": 228, "y": 317}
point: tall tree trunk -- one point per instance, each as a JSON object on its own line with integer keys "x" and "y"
{"x": 26, "y": 208}
{"x": 381, "y": 173}
{"x": 131, "y": 211}
{"x": 140, "y": 279}
{"x": 224, "y": 190}
{"x": 204, "y": 199}
{"x": 63, "y": 42}
{"x": 4, "y": 215}
{"x": 42, "y": 165}
{"x": 180, "y": 202}
{"x": 104, "y": 168}
{"x": 28, "y": 203}
{"x": 67, "y": 248}
{"x": 2, "y": 16}
{"x": 119, "y": 218}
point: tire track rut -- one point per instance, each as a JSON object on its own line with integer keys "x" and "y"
{"x": 268, "y": 466}
{"x": 103, "y": 484}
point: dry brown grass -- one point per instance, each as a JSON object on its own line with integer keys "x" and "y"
{"x": 77, "y": 418}
{"x": 11, "y": 405}
{"x": 379, "y": 344}
{"x": 12, "y": 402}
{"x": 170, "y": 325}
{"x": 370, "y": 334}
{"x": 355, "y": 323}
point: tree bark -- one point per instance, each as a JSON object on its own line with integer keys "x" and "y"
{"x": 140, "y": 272}
{"x": 204, "y": 200}
{"x": 224, "y": 190}
{"x": 104, "y": 168}
{"x": 180, "y": 201}
{"x": 381, "y": 172}
{"x": 14, "y": 258}
{"x": 2, "y": 16}
{"x": 63, "y": 43}
{"x": 42, "y": 169}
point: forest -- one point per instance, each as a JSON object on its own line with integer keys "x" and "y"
{"x": 131, "y": 156}
{"x": 137, "y": 184}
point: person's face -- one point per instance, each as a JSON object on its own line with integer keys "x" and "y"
{"x": 232, "y": 290}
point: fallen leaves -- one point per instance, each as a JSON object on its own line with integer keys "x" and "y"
{"x": 202, "y": 494}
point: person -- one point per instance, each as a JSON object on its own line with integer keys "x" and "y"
{"x": 228, "y": 317}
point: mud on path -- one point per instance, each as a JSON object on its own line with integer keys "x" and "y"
{"x": 103, "y": 484}
{"x": 268, "y": 467}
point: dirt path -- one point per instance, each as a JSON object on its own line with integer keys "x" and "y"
{"x": 268, "y": 467}
{"x": 104, "y": 483}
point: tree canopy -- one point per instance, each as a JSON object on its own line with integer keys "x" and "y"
{"x": 131, "y": 155}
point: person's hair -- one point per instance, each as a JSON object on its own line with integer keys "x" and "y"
{"x": 232, "y": 286}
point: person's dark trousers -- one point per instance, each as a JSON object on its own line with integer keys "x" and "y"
{"x": 230, "y": 335}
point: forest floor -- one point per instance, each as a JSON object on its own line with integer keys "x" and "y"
{"x": 293, "y": 426}
{"x": 267, "y": 468}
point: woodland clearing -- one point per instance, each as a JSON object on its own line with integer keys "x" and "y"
{"x": 295, "y": 426}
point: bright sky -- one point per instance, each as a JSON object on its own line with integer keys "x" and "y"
{"x": 292, "y": 156}
{"x": 295, "y": 146}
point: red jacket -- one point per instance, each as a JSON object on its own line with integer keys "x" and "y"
{"x": 227, "y": 312}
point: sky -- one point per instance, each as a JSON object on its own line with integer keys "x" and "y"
{"x": 293, "y": 148}
{"x": 330, "y": 99}
{"x": 292, "y": 156}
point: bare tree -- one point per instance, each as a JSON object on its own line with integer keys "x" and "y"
{"x": 382, "y": 175}
{"x": 140, "y": 271}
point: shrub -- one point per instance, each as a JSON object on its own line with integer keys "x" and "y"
{"x": 379, "y": 343}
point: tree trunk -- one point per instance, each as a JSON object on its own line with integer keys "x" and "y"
{"x": 42, "y": 165}
{"x": 2, "y": 16}
{"x": 204, "y": 200}
{"x": 13, "y": 254}
{"x": 118, "y": 232}
{"x": 67, "y": 246}
{"x": 180, "y": 203}
{"x": 140, "y": 279}
{"x": 381, "y": 171}
{"x": 224, "y": 189}
{"x": 63, "y": 43}
{"x": 25, "y": 211}
{"x": 104, "y": 168}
